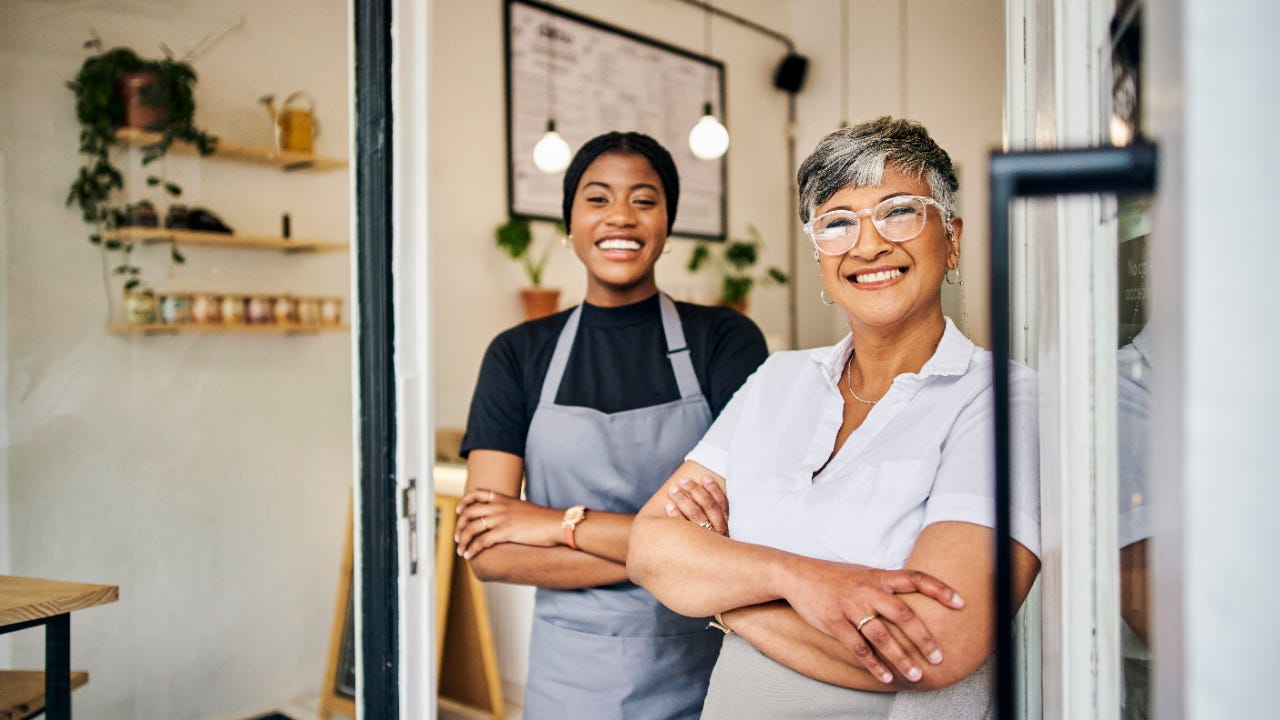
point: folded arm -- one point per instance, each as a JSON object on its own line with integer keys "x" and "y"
{"x": 959, "y": 553}
{"x": 696, "y": 571}
{"x": 507, "y": 539}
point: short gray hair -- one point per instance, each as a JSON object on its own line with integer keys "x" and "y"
{"x": 856, "y": 156}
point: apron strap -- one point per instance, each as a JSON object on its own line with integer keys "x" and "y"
{"x": 677, "y": 353}
{"x": 678, "y": 350}
{"x": 560, "y": 358}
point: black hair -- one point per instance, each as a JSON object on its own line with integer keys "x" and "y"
{"x": 629, "y": 142}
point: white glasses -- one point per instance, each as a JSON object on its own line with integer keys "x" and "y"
{"x": 898, "y": 219}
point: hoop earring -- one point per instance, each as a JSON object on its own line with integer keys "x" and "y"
{"x": 666, "y": 248}
{"x": 566, "y": 240}
{"x": 825, "y": 297}
{"x": 949, "y": 278}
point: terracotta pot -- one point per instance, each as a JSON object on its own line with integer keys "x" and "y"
{"x": 539, "y": 302}
{"x": 740, "y": 306}
{"x": 136, "y": 113}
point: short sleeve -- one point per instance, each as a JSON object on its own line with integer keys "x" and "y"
{"x": 736, "y": 348}
{"x": 964, "y": 488}
{"x": 712, "y": 451}
{"x": 498, "y": 419}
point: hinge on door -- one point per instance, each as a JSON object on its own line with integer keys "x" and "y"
{"x": 409, "y": 511}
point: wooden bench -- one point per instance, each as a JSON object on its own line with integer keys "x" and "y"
{"x": 22, "y": 692}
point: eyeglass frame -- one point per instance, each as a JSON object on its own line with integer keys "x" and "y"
{"x": 947, "y": 216}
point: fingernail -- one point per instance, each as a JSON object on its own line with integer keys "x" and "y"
{"x": 706, "y": 480}
{"x": 673, "y": 490}
{"x": 455, "y": 538}
{"x": 671, "y": 507}
{"x": 914, "y": 674}
{"x": 935, "y": 657}
{"x": 684, "y": 482}
{"x": 956, "y": 599}
{"x": 886, "y": 678}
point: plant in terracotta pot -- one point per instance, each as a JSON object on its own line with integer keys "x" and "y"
{"x": 736, "y": 262}
{"x": 114, "y": 89}
{"x": 515, "y": 237}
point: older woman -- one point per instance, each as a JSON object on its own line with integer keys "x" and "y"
{"x": 590, "y": 410}
{"x": 857, "y": 559}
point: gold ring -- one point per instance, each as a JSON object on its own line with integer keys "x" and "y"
{"x": 864, "y": 621}
{"x": 490, "y": 496}
{"x": 484, "y": 522}
{"x": 707, "y": 525}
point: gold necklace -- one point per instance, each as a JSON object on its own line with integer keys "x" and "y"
{"x": 848, "y": 381}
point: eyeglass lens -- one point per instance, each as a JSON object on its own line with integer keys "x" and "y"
{"x": 897, "y": 219}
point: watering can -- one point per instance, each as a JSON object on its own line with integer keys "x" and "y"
{"x": 294, "y": 123}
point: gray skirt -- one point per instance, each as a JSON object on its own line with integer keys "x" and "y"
{"x": 747, "y": 685}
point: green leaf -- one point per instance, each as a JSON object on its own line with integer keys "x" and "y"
{"x": 698, "y": 257}
{"x": 111, "y": 244}
{"x": 173, "y": 189}
{"x": 177, "y": 256}
{"x": 152, "y": 181}
{"x": 777, "y": 275}
{"x": 135, "y": 282}
{"x": 95, "y": 239}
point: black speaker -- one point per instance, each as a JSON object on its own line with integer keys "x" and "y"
{"x": 790, "y": 73}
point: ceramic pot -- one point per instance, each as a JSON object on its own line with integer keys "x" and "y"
{"x": 136, "y": 113}
{"x": 539, "y": 302}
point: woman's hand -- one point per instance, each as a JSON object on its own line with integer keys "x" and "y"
{"x": 702, "y": 502}
{"x": 486, "y": 518}
{"x": 857, "y": 605}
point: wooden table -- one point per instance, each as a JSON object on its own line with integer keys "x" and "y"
{"x": 31, "y": 602}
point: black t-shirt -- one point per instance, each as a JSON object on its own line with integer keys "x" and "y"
{"x": 618, "y": 362}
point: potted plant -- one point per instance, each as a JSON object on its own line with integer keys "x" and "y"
{"x": 736, "y": 262}
{"x": 117, "y": 88}
{"x": 515, "y": 237}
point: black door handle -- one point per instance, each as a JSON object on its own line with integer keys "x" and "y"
{"x": 1129, "y": 169}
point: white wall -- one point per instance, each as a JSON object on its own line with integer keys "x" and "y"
{"x": 935, "y": 61}
{"x": 206, "y": 476}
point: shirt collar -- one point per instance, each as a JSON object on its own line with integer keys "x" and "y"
{"x": 952, "y": 356}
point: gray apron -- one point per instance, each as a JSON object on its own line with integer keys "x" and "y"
{"x": 614, "y": 651}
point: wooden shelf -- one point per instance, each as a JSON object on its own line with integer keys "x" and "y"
{"x": 150, "y": 236}
{"x": 283, "y": 159}
{"x": 219, "y": 329}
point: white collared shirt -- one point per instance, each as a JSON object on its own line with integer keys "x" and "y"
{"x": 924, "y": 454}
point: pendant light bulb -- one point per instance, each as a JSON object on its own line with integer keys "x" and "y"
{"x": 551, "y": 154}
{"x": 708, "y": 139}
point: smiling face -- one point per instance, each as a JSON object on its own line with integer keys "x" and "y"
{"x": 888, "y": 285}
{"x": 619, "y": 227}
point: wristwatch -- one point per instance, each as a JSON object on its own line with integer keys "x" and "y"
{"x": 572, "y": 517}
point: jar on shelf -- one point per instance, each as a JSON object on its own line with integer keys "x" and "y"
{"x": 257, "y": 309}
{"x": 331, "y": 311}
{"x": 309, "y": 311}
{"x": 175, "y": 308}
{"x": 204, "y": 308}
{"x": 284, "y": 310}
{"x": 140, "y": 307}
{"x": 232, "y": 309}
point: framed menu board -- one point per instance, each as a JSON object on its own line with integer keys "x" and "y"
{"x": 593, "y": 78}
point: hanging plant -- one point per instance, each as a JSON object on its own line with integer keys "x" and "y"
{"x": 118, "y": 88}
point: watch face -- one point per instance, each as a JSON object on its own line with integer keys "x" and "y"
{"x": 574, "y": 514}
